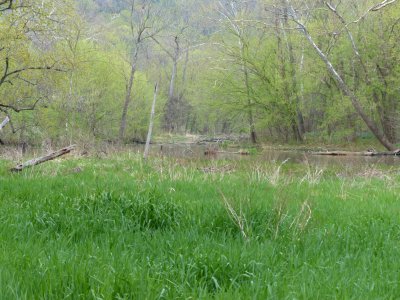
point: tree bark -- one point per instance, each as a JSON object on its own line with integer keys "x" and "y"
{"x": 171, "y": 105}
{"x": 252, "y": 127}
{"x": 171, "y": 92}
{"x": 297, "y": 116}
{"x": 153, "y": 110}
{"x": 184, "y": 76}
{"x": 253, "y": 134}
{"x": 128, "y": 97}
{"x": 300, "y": 116}
{"x": 4, "y": 123}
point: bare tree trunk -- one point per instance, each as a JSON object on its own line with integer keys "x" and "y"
{"x": 142, "y": 27}
{"x": 387, "y": 109}
{"x": 186, "y": 111}
{"x": 231, "y": 15}
{"x": 297, "y": 124}
{"x": 171, "y": 105}
{"x": 344, "y": 88}
{"x": 253, "y": 134}
{"x": 171, "y": 92}
{"x": 252, "y": 127}
{"x": 389, "y": 124}
{"x": 22, "y": 138}
{"x": 153, "y": 110}
{"x": 128, "y": 98}
{"x": 184, "y": 75}
{"x": 290, "y": 89}
{"x": 4, "y": 123}
{"x": 299, "y": 113}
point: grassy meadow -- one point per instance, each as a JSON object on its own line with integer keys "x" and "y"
{"x": 122, "y": 228}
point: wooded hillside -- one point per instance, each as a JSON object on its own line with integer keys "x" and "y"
{"x": 275, "y": 70}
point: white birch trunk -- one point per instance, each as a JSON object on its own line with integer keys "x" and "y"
{"x": 4, "y": 123}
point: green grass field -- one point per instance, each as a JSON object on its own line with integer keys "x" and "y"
{"x": 120, "y": 228}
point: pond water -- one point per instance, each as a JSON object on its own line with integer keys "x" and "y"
{"x": 195, "y": 151}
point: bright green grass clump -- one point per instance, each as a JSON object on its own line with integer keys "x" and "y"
{"x": 124, "y": 229}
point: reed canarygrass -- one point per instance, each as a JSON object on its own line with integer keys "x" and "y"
{"x": 123, "y": 228}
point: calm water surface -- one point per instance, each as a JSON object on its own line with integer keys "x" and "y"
{"x": 194, "y": 151}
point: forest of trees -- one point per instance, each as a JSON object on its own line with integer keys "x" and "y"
{"x": 274, "y": 70}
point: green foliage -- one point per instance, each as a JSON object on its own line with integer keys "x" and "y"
{"x": 75, "y": 58}
{"x": 122, "y": 228}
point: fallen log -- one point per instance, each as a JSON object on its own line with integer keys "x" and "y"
{"x": 240, "y": 152}
{"x": 365, "y": 153}
{"x": 40, "y": 160}
{"x": 219, "y": 139}
{"x": 391, "y": 153}
{"x": 215, "y": 152}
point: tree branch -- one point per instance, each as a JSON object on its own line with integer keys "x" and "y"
{"x": 382, "y": 5}
{"x": 9, "y": 5}
{"x": 351, "y": 38}
{"x": 18, "y": 109}
{"x": 162, "y": 47}
{"x": 8, "y": 74}
{"x": 374, "y": 8}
